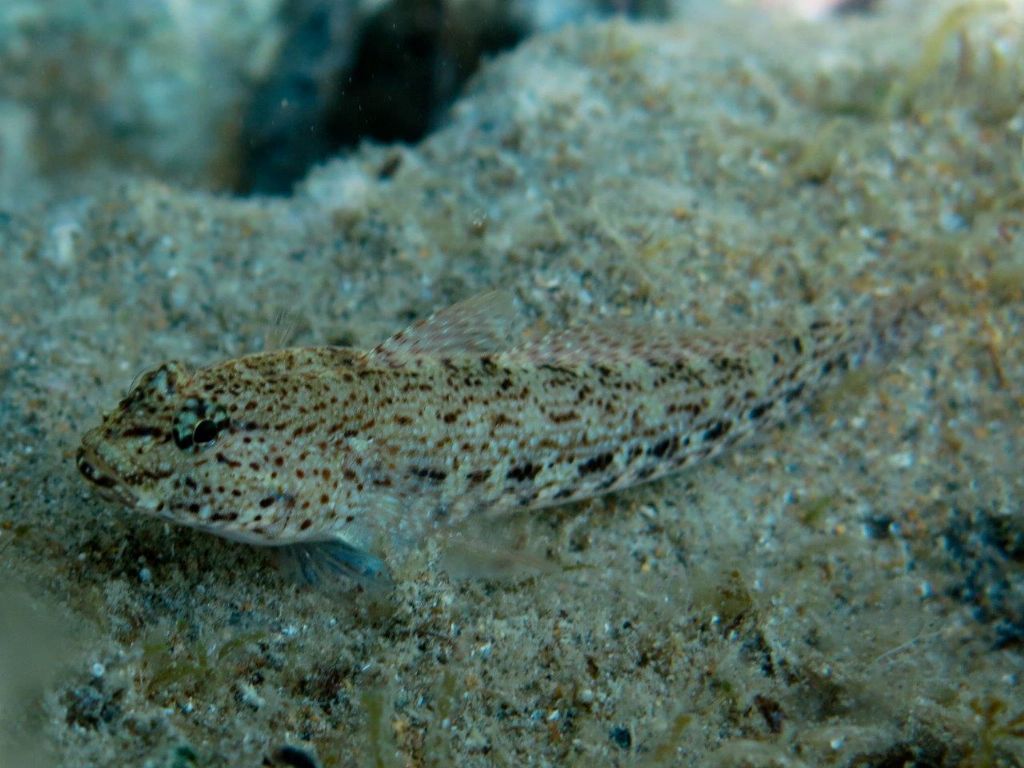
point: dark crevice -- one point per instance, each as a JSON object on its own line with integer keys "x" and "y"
{"x": 340, "y": 80}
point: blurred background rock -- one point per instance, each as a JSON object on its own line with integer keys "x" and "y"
{"x": 245, "y": 96}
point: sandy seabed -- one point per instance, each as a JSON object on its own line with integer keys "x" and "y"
{"x": 843, "y": 591}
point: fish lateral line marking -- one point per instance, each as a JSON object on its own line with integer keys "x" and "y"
{"x": 348, "y": 450}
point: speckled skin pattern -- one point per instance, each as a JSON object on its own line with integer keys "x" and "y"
{"x": 449, "y": 419}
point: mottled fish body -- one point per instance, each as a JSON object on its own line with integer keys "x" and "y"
{"x": 451, "y": 418}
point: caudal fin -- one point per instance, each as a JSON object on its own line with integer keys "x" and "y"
{"x": 898, "y": 323}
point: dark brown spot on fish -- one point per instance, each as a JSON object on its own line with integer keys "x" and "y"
{"x": 694, "y": 409}
{"x": 561, "y": 418}
{"x": 427, "y": 473}
{"x": 222, "y": 459}
{"x": 558, "y": 369}
{"x": 143, "y": 431}
{"x": 793, "y": 393}
{"x": 266, "y": 501}
{"x": 595, "y": 463}
{"x": 665, "y": 448}
{"x": 717, "y": 430}
{"x": 522, "y": 472}
{"x": 479, "y": 476}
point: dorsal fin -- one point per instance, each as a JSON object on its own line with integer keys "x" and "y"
{"x": 281, "y": 331}
{"x": 613, "y": 340}
{"x": 482, "y": 325}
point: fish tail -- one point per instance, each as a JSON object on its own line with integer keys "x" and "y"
{"x": 896, "y": 324}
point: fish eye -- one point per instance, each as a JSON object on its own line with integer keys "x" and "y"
{"x": 199, "y": 424}
{"x": 204, "y": 432}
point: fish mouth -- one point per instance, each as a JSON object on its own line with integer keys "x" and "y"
{"x": 102, "y": 477}
{"x": 93, "y": 471}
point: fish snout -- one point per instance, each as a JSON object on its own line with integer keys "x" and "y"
{"x": 93, "y": 470}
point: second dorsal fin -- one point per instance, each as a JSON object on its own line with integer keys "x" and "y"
{"x": 485, "y": 324}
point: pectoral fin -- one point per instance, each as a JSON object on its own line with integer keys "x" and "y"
{"x": 320, "y": 562}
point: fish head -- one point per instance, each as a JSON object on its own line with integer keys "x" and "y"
{"x": 162, "y": 451}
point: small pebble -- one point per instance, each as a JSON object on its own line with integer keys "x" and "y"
{"x": 621, "y": 737}
{"x": 649, "y": 511}
{"x": 475, "y": 741}
{"x": 98, "y": 670}
{"x": 902, "y": 460}
{"x": 250, "y": 696}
